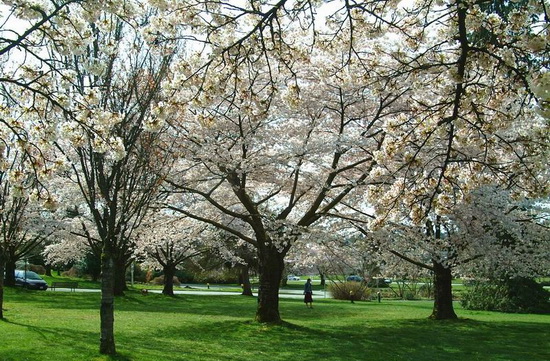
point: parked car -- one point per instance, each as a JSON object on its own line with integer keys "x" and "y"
{"x": 293, "y": 278}
{"x": 354, "y": 278}
{"x": 30, "y": 280}
{"x": 379, "y": 282}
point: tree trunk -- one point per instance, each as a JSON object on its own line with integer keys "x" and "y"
{"x": 270, "y": 271}
{"x": 107, "y": 316}
{"x": 169, "y": 273}
{"x": 443, "y": 297}
{"x": 48, "y": 270}
{"x": 245, "y": 281}
{"x": 284, "y": 279}
{"x": 323, "y": 280}
{"x": 95, "y": 276}
{"x": 120, "y": 277}
{"x": 10, "y": 274}
{"x": 93, "y": 265}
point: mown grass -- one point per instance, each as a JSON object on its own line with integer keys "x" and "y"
{"x": 82, "y": 283}
{"x": 65, "y": 326}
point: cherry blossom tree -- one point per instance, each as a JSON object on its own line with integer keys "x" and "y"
{"x": 65, "y": 249}
{"x": 332, "y": 250}
{"x": 112, "y": 139}
{"x": 168, "y": 242}
{"x": 470, "y": 114}
{"x": 275, "y": 157}
{"x": 489, "y": 234}
{"x": 25, "y": 219}
{"x": 514, "y": 234}
{"x": 240, "y": 254}
{"x": 471, "y": 79}
{"x": 118, "y": 190}
{"x": 472, "y": 84}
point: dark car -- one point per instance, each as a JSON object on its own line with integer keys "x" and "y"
{"x": 355, "y": 279}
{"x": 30, "y": 280}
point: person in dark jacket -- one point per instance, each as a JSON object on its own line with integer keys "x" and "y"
{"x": 308, "y": 292}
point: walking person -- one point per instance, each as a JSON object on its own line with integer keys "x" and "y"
{"x": 308, "y": 294}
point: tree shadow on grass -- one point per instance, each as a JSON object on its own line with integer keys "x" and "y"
{"x": 74, "y": 343}
{"x": 425, "y": 340}
{"x": 229, "y": 337}
{"x": 134, "y": 301}
{"x": 456, "y": 340}
{"x": 225, "y": 340}
{"x": 217, "y": 331}
{"x": 207, "y": 305}
{"x": 247, "y": 340}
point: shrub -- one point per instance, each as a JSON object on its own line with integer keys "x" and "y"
{"x": 41, "y": 270}
{"x": 160, "y": 281}
{"x": 185, "y": 277}
{"x": 90, "y": 265}
{"x": 356, "y": 291}
{"x": 73, "y": 272}
{"x": 517, "y": 295}
{"x": 426, "y": 291}
{"x": 140, "y": 274}
{"x": 378, "y": 283}
{"x": 220, "y": 276}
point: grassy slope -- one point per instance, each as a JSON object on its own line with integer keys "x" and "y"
{"x": 65, "y": 326}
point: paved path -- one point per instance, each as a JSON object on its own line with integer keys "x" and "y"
{"x": 213, "y": 291}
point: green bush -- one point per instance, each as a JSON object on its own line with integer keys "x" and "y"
{"x": 517, "y": 295}
{"x": 356, "y": 291}
{"x": 409, "y": 295}
{"x": 41, "y": 270}
{"x": 140, "y": 274}
{"x": 219, "y": 276}
{"x": 73, "y": 272}
{"x": 185, "y": 276}
{"x": 426, "y": 291}
{"x": 160, "y": 280}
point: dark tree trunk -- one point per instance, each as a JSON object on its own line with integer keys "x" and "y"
{"x": 93, "y": 265}
{"x": 49, "y": 270}
{"x": 244, "y": 279}
{"x": 169, "y": 273}
{"x": 107, "y": 316}
{"x": 443, "y": 297}
{"x": 95, "y": 276}
{"x": 323, "y": 280}
{"x": 120, "y": 277}
{"x": 270, "y": 271}
{"x": 10, "y": 274}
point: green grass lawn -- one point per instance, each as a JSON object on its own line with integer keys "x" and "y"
{"x": 65, "y": 326}
{"x": 82, "y": 283}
